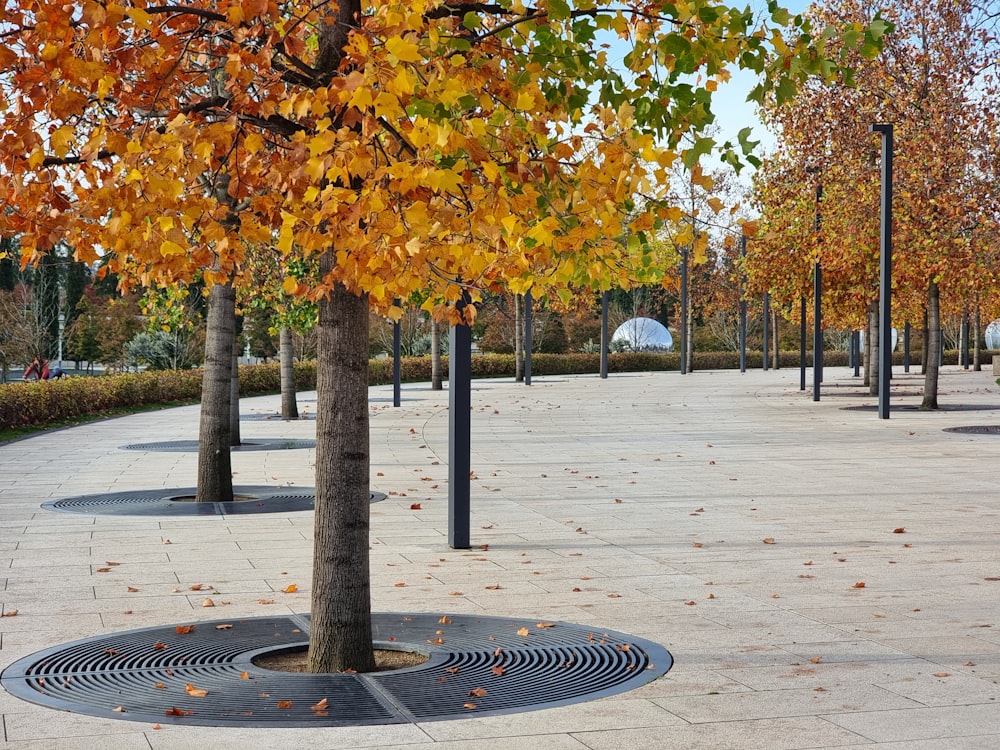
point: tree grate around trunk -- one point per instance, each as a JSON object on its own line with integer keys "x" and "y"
{"x": 203, "y": 674}
{"x": 180, "y": 502}
{"x": 276, "y": 417}
{"x": 190, "y": 446}
{"x": 975, "y": 430}
{"x": 916, "y": 407}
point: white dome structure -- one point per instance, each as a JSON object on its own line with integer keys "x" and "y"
{"x": 992, "y": 335}
{"x": 894, "y": 334}
{"x": 643, "y": 335}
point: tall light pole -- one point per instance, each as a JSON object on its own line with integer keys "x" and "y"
{"x": 743, "y": 306}
{"x": 885, "y": 273}
{"x": 817, "y": 297}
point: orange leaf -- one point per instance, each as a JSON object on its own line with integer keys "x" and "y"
{"x": 290, "y": 589}
{"x": 195, "y": 692}
{"x": 244, "y": 675}
{"x": 159, "y": 646}
{"x": 859, "y": 585}
{"x": 132, "y": 589}
{"x": 769, "y": 540}
{"x": 224, "y": 626}
{"x": 494, "y": 587}
{"x": 321, "y": 706}
{"x": 497, "y": 670}
{"x": 199, "y": 587}
{"x": 816, "y": 659}
{"x": 942, "y": 674}
{"x": 284, "y": 704}
{"x": 477, "y": 692}
{"x": 208, "y": 603}
{"x": 177, "y": 712}
{"x": 184, "y": 629}
{"x": 468, "y": 705}
{"x": 452, "y": 670}
{"x": 400, "y": 585}
{"x": 118, "y": 710}
{"x": 696, "y": 544}
{"x": 545, "y": 624}
{"x": 455, "y": 593}
{"x": 523, "y": 632}
{"x": 900, "y": 530}
{"x": 445, "y": 620}
{"x": 159, "y": 685}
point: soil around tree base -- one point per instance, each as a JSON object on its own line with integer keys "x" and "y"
{"x": 298, "y": 660}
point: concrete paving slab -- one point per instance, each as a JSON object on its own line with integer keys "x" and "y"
{"x": 734, "y": 486}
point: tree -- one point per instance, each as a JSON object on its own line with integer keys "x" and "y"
{"x": 935, "y": 83}
{"x": 410, "y": 146}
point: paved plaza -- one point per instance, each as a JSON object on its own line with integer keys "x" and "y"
{"x": 822, "y": 578}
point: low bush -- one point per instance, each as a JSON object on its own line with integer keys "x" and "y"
{"x": 54, "y": 401}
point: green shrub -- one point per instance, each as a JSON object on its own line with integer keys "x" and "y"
{"x": 41, "y": 403}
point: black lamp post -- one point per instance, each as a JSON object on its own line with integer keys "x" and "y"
{"x": 743, "y": 306}
{"x": 885, "y": 273}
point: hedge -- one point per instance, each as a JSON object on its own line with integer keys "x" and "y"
{"x": 41, "y": 403}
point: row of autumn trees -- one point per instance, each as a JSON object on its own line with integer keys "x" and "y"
{"x": 936, "y": 82}
{"x": 366, "y": 153}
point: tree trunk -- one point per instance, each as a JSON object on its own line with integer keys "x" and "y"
{"x": 234, "y": 394}
{"x": 286, "y": 353}
{"x": 689, "y": 336}
{"x": 932, "y": 346}
{"x": 518, "y": 340}
{"x": 340, "y": 635}
{"x": 435, "y": 356}
{"x": 215, "y": 477}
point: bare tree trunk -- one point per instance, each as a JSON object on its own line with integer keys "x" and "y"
{"x": 286, "y": 353}
{"x": 234, "y": 394}
{"x": 932, "y": 346}
{"x": 435, "y": 356}
{"x": 689, "y": 337}
{"x": 340, "y": 636}
{"x": 215, "y": 477}
{"x": 518, "y": 339}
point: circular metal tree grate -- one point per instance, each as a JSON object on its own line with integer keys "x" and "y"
{"x": 204, "y": 675}
{"x": 275, "y": 417}
{"x": 179, "y": 502}
{"x": 188, "y": 446}
{"x": 975, "y": 430}
{"x": 916, "y": 407}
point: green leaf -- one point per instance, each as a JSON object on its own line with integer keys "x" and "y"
{"x": 701, "y": 147}
{"x": 471, "y": 21}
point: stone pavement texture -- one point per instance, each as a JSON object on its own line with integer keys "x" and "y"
{"x": 726, "y": 516}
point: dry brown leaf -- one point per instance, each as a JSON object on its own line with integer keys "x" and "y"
{"x": 942, "y": 674}
{"x": 545, "y": 624}
{"x": 158, "y": 646}
{"x": 208, "y": 603}
{"x": 195, "y": 692}
{"x": 577, "y": 590}
{"x": 769, "y": 540}
{"x": 455, "y": 593}
{"x": 691, "y": 603}
{"x": 816, "y": 659}
{"x": 494, "y": 587}
{"x": 184, "y": 629}
{"x": 468, "y": 705}
{"x": 696, "y": 544}
{"x": 284, "y": 704}
{"x": 415, "y": 506}
{"x": 859, "y": 585}
{"x": 159, "y": 686}
{"x": 265, "y": 601}
{"x": 899, "y": 530}
{"x": 10, "y": 613}
{"x": 199, "y": 587}
{"x": 321, "y": 706}
{"x": 618, "y": 500}
{"x": 477, "y": 692}
{"x": 104, "y": 570}
{"x": 177, "y": 712}
{"x": 131, "y": 589}
{"x": 969, "y": 664}
{"x": 400, "y": 585}
{"x": 710, "y": 596}
{"x": 808, "y": 562}
{"x": 523, "y": 632}
{"x": 244, "y": 675}
{"x": 497, "y": 670}
{"x": 224, "y": 626}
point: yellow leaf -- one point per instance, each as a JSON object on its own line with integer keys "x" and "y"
{"x": 50, "y": 52}
{"x": 290, "y": 589}
{"x": 290, "y": 285}
{"x": 141, "y": 17}
{"x": 166, "y": 223}
{"x": 61, "y": 140}
{"x": 195, "y": 692}
{"x": 403, "y": 50}
{"x": 525, "y": 100}
{"x": 168, "y": 249}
